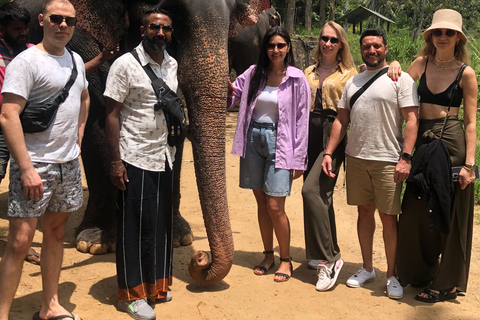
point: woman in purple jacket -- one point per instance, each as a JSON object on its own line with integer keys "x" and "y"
{"x": 271, "y": 138}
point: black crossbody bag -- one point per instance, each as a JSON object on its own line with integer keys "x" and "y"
{"x": 37, "y": 117}
{"x": 170, "y": 103}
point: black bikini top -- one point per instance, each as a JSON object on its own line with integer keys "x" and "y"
{"x": 442, "y": 98}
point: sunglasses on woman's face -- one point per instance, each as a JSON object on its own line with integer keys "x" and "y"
{"x": 280, "y": 46}
{"x": 333, "y": 40}
{"x": 58, "y": 19}
{"x": 449, "y": 33}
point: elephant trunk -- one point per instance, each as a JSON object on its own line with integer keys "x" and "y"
{"x": 203, "y": 76}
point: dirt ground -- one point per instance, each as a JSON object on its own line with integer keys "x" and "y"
{"x": 88, "y": 283}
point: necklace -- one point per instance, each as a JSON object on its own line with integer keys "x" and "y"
{"x": 325, "y": 68}
{"x": 443, "y": 61}
{"x": 443, "y": 67}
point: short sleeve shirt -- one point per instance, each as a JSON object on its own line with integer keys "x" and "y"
{"x": 143, "y": 131}
{"x": 37, "y": 76}
{"x": 376, "y": 119}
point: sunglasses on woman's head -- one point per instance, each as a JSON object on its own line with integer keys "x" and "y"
{"x": 449, "y": 33}
{"x": 333, "y": 40}
{"x": 280, "y": 46}
{"x": 157, "y": 26}
{"x": 58, "y": 19}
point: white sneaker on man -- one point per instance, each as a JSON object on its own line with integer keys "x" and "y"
{"x": 328, "y": 274}
{"x": 394, "y": 288}
{"x": 137, "y": 309}
{"x": 360, "y": 277}
{"x": 313, "y": 264}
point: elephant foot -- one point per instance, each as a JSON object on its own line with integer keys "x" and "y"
{"x": 96, "y": 241}
{"x": 182, "y": 234}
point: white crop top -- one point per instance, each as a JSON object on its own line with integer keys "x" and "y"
{"x": 266, "y": 108}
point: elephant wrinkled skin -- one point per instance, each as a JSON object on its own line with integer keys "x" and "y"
{"x": 199, "y": 44}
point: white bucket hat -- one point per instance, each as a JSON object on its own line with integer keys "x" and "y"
{"x": 446, "y": 19}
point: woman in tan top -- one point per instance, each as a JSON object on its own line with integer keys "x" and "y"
{"x": 327, "y": 77}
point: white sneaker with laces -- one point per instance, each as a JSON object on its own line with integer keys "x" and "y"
{"x": 360, "y": 277}
{"x": 137, "y": 309}
{"x": 313, "y": 264}
{"x": 394, "y": 288}
{"x": 328, "y": 274}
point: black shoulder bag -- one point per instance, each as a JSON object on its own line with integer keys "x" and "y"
{"x": 170, "y": 103}
{"x": 37, "y": 117}
{"x": 357, "y": 94}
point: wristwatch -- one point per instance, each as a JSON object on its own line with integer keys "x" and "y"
{"x": 407, "y": 156}
{"x": 470, "y": 166}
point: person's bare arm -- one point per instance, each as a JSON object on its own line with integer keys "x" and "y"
{"x": 402, "y": 169}
{"x": 100, "y": 59}
{"x": 118, "y": 173}
{"x": 12, "y": 106}
{"x": 82, "y": 117}
{"x": 470, "y": 90}
{"x": 339, "y": 129}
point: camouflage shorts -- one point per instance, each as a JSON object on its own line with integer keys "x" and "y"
{"x": 62, "y": 190}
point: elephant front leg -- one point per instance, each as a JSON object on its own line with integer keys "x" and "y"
{"x": 97, "y": 231}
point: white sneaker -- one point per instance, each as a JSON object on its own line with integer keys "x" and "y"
{"x": 137, "y": 309}
{"x": 328, "y": 274}
{"x": 360, "y": 277}
{"x": 313, "y": 264}
{"x": 394, "y": 288}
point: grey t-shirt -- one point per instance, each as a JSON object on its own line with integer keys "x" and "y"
{"x": 376, "y": 119}
{"x": 38, "y": 76}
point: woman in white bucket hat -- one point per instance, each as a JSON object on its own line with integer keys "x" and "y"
{"x": 420, "y": 241}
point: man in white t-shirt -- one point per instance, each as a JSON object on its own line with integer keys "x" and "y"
{"x": 378, "y": 156}
{"x": 141, "y": 168}
{"x": 45, "y": 174}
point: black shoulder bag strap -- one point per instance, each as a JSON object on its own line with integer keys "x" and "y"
{"x": 365, "y": 86}
{"x": 150, "y": 74}
{"x": 64, "y": 93}
{"x": 454, "y": 91}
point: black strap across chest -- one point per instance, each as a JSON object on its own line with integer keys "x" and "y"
{"x": 357, "y": 94}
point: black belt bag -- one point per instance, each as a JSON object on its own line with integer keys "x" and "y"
{"x": 170, "y": 103}
{"x": 37, "y": 117}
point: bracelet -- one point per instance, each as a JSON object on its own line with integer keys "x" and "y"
{"x": 327, "y": 154}
{"x": 118, "y": 161}
{"x": 467, "y": 168}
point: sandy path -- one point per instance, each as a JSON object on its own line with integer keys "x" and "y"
{"x": 88, "y": 283}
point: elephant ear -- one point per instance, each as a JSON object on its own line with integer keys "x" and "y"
{"x": 96, "y": 18}
{"x": 246, "y": 14}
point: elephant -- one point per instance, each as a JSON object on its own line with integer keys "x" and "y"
{"x": 244, "y": 49}
{"x": 200, "y": 45}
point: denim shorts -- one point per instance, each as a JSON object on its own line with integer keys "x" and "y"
{"x": 62, "y": 190}
{"x": 257, "y": 168}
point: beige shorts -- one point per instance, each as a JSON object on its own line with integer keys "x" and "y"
{"x": 370, "y": 181}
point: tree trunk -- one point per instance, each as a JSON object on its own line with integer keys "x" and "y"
{"x": 331, "y": 15}
{"x": 347, "y": 9}
{"x": 322, "y": 14}
{"x": 416, "y": 31}
{"x": 290, "y": 16}
{"x": 308, "y": 15}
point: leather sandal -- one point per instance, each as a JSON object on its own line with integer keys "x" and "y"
{"x": 262, "y": 268}
{"x": 433, "y": 297}
{"x": 286, "y": 276}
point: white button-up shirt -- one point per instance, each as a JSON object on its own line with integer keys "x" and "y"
{"x": 143, "y": 131}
